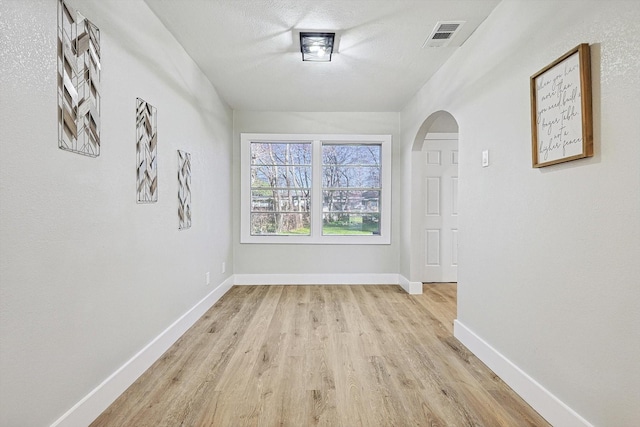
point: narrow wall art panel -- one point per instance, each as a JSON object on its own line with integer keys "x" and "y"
{"x": 147, "y": 153}
{"x": 78, "y": 83}
{"x": 184, "y": 190}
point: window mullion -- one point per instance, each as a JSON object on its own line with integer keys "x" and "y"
{"x": 316, "y": 191}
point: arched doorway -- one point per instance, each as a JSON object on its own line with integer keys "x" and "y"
{"x": 434, "y": 194}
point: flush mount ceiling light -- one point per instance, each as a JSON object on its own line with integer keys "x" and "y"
{"x": 316, "y": 47}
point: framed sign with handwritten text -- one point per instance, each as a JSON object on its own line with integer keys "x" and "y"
{"x": 561, "y": 115}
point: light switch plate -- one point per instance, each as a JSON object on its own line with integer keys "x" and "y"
{"x": 485, "y": 158}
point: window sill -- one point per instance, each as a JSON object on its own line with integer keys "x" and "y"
{"x": 322, "y": 240}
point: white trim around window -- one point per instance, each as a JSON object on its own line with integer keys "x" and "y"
{"x": 315, "y": 234}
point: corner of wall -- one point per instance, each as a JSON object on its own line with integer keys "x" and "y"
{"x": 412, "y": 288}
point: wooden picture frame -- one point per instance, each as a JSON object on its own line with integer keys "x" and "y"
{"x": 561, "y": 112}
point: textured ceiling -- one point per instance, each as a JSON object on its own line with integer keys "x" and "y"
{"x": 249, "y": 49}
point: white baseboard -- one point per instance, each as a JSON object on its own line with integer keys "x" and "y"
{"x": 551, "y": 408}
{"x": 413, "y": 288}
{"x": 99, "y": 399}
{"x": 316, "y": 279}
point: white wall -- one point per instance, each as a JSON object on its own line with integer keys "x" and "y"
{"x": 316, "y": 259}
{"x": 89, "y": 277}
{"x": 549, "y": 258}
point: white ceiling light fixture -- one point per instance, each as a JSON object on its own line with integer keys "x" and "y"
{"x": 316, "y": 46}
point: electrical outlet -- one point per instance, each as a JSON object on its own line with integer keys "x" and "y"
{"x": 208, "y": 277}
{"x": 224, "y": 267}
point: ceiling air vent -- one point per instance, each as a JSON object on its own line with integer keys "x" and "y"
{"x": 443, "y": 33}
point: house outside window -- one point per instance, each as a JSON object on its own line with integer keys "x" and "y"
{"x": 315, "y": 189}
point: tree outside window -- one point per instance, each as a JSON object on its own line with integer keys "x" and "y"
{"x": 280, "y": 188}
{"x": 351, "y": 189}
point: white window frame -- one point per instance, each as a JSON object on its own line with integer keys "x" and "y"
{"x": 316, "y": 237}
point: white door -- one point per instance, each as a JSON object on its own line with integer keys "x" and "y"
{"x": 440, "y": 219}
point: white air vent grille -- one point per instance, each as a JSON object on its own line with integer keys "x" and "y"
{"x": 440, "y": 36}
{"x": 443, "y": 34}
{"x": 449, "y": 27}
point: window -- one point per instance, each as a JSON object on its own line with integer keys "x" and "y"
{"x": 280, "y": 188}
{"x": 315, "y": 189}
{"x": 351, "y": 189}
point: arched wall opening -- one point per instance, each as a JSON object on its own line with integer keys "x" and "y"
{"x": 434, "y": 200}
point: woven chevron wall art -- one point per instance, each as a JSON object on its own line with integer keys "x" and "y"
{"x": 78, "y": 83}
{"x": 184, "y": 190}
{"x": 147, "y": 152}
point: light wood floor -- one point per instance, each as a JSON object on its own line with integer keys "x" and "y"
{"x": 322, "y": 355}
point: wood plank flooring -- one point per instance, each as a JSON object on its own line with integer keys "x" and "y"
{"x": 322, "y": 356}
